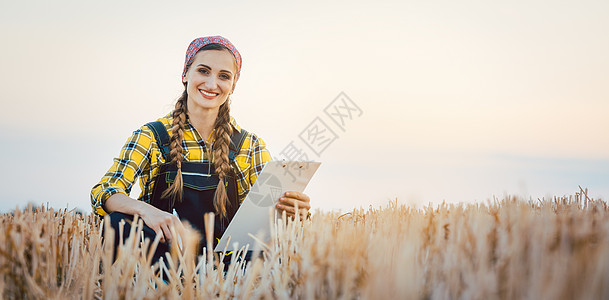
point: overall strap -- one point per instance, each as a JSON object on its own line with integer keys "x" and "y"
{"x": 161, "y": 136}
{"x": 236, "y": 141}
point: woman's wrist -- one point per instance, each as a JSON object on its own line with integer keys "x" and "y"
{"x": 120, "y": 202}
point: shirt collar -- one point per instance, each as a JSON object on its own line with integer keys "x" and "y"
{"x": 232, "y": 122}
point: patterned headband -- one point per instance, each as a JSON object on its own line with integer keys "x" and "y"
{"x": 201, "y": 42}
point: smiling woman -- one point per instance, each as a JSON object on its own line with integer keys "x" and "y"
{"x": 192, "y": 161}
{"x": 211, "y": 80}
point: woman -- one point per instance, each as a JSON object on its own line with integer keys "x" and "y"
{"x": 194, "y": 160}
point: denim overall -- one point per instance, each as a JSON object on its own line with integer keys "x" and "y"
{"x": 199, "y": 185}
{"x": 197, "y": 195}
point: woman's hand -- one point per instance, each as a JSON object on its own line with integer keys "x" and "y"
{"x": 162, "y": 222}
{"x": 290, "y": 200}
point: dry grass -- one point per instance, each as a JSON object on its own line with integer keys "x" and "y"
{"x": 508, "y": 249}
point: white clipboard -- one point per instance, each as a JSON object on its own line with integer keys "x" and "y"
{"x": 252, "y": 217}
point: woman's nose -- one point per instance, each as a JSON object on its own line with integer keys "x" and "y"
{"x": 211, "y": 83}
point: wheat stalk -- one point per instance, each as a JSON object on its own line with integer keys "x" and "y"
{"x": 504, "y": 249}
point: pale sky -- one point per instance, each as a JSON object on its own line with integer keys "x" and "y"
{"x": 461, "y": 100}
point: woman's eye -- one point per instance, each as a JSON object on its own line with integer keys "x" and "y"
{"x": 203, "y": 71}
{"x": 225, "y": 76}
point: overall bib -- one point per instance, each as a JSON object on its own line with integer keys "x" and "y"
{"x": 200, "y": 181}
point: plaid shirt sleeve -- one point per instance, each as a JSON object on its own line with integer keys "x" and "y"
{"x": 140, "y": 156}
{"x": 131, "y": 162}
{"x": 251, "y": 159}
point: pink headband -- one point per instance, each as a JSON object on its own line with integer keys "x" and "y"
{"x": 201, "y": 42}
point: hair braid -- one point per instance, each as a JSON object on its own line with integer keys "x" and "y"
{"x": 220, "y": 149}
{"x": 176, "y": 154}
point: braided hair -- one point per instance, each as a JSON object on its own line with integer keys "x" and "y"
{"x": 223, "y": 132}
{"x": 176, "y": 154}
{"x": 218, "y": 154}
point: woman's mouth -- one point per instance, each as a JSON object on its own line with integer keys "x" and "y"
{"x": 208, "y": 95}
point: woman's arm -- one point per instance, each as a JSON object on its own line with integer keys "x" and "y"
{"x": 110, "y": 194}
{"x": 160, "y": 221}
{"x": 133, "y": 160}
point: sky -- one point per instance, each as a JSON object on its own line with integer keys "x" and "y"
{"x": 457, "y": 101}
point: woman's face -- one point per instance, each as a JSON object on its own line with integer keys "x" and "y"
{"x": 210, "y": 79}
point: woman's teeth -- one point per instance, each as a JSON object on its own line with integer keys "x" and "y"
{"x": 208, "y": 94}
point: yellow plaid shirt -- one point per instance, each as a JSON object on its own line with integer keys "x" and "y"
{"x": 141, "y": 157}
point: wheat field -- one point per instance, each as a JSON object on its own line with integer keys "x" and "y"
{"x": 503, "y": 249}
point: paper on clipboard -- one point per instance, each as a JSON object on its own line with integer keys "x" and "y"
{"x": 252, "y": 217}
